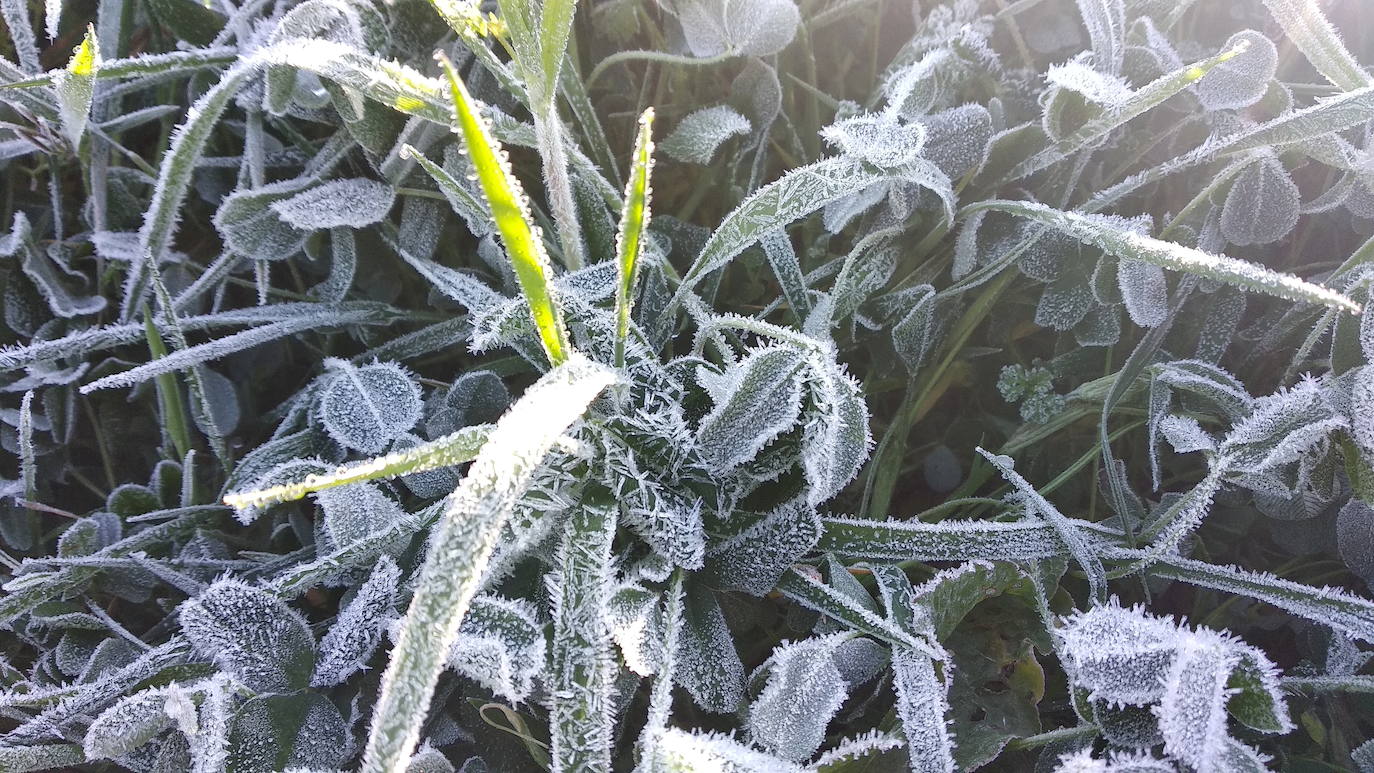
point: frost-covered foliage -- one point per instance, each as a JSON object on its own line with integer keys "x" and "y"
{"x": 742, "y": 385}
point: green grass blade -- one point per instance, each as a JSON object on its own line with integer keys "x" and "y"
{"x": 461, "y": 547}
{"x": 1109, "y": 237}
{"x": 1143, "y": 100}
{"x": 510, "y": 208}
{"x": 450, "y": 450}
{"x": 555, "y": 27}
{"x": 1309, "y": 30}
{"x": 168, "y": 393}
{"x": 634, "y": 218}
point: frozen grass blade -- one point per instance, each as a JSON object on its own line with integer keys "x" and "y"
{"x": 1111, "y": 237}
{"x": 1140, "y": 102}
{"x": 460, "y": 548}
{"x": 510, "y": 208}
{"x": 453, "y": 449}
{"x": 1309, "y": 30}
{"x": 583, "y": 668}
{"x": 634, "y": 218}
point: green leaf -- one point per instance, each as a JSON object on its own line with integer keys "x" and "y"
{"x": 448, "y": 451}
{"x": 634, "y": 219}
{"x": 510, "y": 207}
{"x": 461, "y": 547}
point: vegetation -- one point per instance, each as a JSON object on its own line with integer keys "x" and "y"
{"x": 847, "y": 385}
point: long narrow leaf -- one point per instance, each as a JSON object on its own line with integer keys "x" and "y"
{"x": 583, "y": 670}
{"x": 1309, "y": 30}
{"x": 634, "y": 218}
{"x": 510, "y": 208}
{"x": 461, "y": 547}
{"x": 1111, "y": 237}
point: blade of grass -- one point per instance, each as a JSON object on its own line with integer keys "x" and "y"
{"x": 1123, "y": 243}
{"x": 461, "y": 546}
{"x": 510, "y": 208}
{"x": 634, "y": 218}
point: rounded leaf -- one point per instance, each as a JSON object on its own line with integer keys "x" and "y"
{"x": 365, "y": 408}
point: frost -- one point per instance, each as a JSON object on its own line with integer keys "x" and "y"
{"x": 252, "y": 635}
{"x": 879, "y": 140}
{"x": 701, "y": 133}
{"x": 501, "y": 646}
{"x": 802, "y": 692}
{"x": 957, "y": 139}
{"x": 923, "y": 708}
{"x": 1144, "y": 290}
{"x": 1192, "y": 710}
{"x": 354, "y": 203}
{"x": 365, "y": 408}
{"x": 275, "y": 732}
{"x": 1193, "y": 680}
{"x": 358, "y": 629}
{"x": 1094, "y": 85}
{"x": 1242, "y": 80}
{"x": 357, "y": 511}
{"x": 836, "y": 438}
{"x": 1118, "y": 654}
{"x": 708, "y": 664}
{"x": 1064, "y": 303}
{"x": 679, "y": 750}
{"x": 752, "y": 27}
{"x": 1262, "y": 206}
{"x": 756, "y": 557}
{"x": 1106, "y": 24}
{"x": 127, "y": 725}
{"x": 755, "y": 401}
{"x": 428, "y": 759}
{"x": 1362, "y": 409}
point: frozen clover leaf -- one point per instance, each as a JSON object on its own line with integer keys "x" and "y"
{"x": 701, "y": 133}
{"x": 1262, "y": 206}
{"x": 882, "y": 141}
{"x": 252, "y": 635}
{"x": 501, "y": 646}
{"x": 679, "y": 751}
{"x": 737, "y": 27}
{"x": 803, "y": 691}
{"x": 354, "y": 202}
{"x": 128, "y": 724}
{"x": 365, "y": 408}
{"x": 1241, "y": 81}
